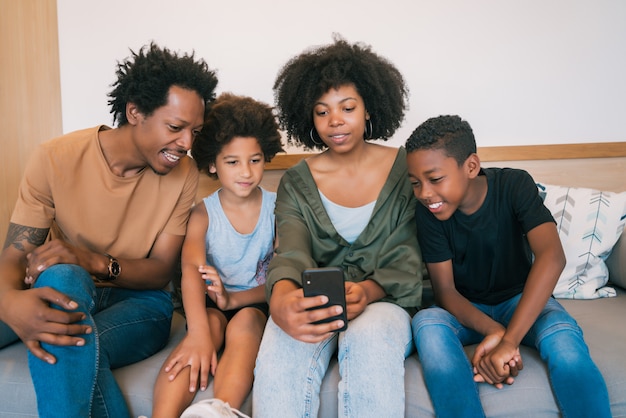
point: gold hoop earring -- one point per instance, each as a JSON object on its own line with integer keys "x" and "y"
{"x": 313, "y": 138}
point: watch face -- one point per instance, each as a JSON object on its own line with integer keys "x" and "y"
{"x": 115, "y": 268}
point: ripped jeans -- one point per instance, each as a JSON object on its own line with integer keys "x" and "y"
{"x": 371, "y": 353}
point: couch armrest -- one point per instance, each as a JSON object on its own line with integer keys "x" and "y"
{"x": 617, "y": 262}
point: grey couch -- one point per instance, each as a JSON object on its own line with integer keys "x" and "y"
{"x": 530, "y": 395}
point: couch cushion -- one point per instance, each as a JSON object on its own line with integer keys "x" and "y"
{"x": 589, "y": 223}
{"x": 530, "y": 395}
{"x": 7, "y": 336}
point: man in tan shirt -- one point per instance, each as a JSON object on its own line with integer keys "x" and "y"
{"x": 96, "y": 232}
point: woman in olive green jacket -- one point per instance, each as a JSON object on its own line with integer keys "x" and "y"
{"x": 349, "y": 206}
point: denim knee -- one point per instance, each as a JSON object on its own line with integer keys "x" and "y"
{"x": 554, "y": 318}
{"x": 71, "y": 280}
{"x": 431, "y": 316}
{"x": 378, "y": 319}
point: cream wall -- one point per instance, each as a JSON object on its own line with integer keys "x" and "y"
{"x": 522, "y": 72}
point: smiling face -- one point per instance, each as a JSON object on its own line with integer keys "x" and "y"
{"x": 440, "y": 184}
{"x": 339, "y": 116}
{"x": 166, "y": 135}
{"x": 239, "y": 166}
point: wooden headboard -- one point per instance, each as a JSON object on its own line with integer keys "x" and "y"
{"x": 595, "y": 165}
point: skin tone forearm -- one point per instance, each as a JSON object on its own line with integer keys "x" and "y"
{"x": 544, "y": 274}
{"x": 153, "y": 272}
{"x": 450, "y": 299}
{"x": 549, "y": 261}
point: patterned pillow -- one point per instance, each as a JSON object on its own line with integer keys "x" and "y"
{"x": 589, "y": 223}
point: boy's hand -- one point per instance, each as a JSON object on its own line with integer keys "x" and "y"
{"x": 289, "y": 310}
{"x": 496, "y": 361}
{"x": 215, "y": 287}
{"x": 356, "y": 299}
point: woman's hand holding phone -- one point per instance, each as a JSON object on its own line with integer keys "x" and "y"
{"x": 327, "y": 281}
{"x": 293, "y": 313}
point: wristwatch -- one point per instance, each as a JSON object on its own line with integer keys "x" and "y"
{"x": 114, "y": 268}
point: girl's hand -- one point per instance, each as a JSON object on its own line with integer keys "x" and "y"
{"x": 197, "y": 352}
{"x": 293, "y": 313}
{"x": 356, "y": 299}
{"x": 215, "y": 287}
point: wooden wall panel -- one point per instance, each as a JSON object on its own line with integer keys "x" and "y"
{"x": 30, "y": 91}
{"x": 509, "y": 153}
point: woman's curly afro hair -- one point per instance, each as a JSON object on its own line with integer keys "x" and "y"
{"x": 146, "y": 77}
{"x": 306, "y": 77}
{"x": 233, "y": 116}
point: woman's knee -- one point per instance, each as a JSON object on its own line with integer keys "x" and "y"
{"x": 381, "y": 322}
{"x": 380, "y": 316}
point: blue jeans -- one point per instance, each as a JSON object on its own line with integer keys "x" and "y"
{"x": 578, "y": 385}
{"x": 371, "y": 353}
{"x": 128, "y": 326}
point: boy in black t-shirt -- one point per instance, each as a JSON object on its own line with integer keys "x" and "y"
{"x": 478, "y": 230}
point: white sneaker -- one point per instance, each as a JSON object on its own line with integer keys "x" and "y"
{"x": 212, "y": 408}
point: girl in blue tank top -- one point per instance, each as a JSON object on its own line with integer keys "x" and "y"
{"x": 229, "y": 243}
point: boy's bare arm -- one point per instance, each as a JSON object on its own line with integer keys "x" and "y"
{"x": 447, "y": 297}
{"x": 549, "y": 263}
{"x": 503, "y": 360}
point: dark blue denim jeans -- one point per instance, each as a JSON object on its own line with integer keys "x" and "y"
{"x": 129, "y": 325}
{"x": 577, "y": 383}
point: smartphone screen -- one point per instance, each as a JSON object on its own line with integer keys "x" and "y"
{"x": 327, "y": 281}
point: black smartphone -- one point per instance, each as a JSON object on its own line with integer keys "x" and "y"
{"x": 327, "y": 281}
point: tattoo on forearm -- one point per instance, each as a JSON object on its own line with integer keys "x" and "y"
{"x": 17, "y": 234}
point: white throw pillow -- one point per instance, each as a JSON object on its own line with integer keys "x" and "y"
{"x": 589, "y": 223}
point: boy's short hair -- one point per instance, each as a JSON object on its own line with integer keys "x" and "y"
{"x": 449, "y": 133}
{"x": 146, "y": 77}
{"x": 231, "y": 116}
